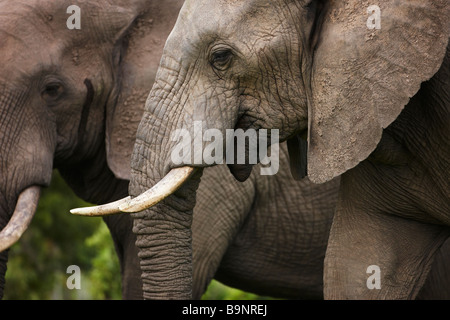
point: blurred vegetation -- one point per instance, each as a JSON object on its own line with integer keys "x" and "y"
{"x": 56, "y": 240}
{"x": 219, "y": 291}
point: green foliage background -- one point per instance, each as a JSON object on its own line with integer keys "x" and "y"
{"x": 55, "y": 240}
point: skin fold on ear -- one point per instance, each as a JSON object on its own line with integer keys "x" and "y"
{"x": 298, "y": 150}
{"x": 363, "y": 75}
{"x": 143, "y": 46}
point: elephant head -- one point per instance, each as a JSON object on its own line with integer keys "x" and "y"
{"x": 71, "y": 98}
{"x": 320, "y": 71}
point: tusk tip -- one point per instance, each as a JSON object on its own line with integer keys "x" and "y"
{"x": 80, "y": 211}
{"x": 98, "y": 211}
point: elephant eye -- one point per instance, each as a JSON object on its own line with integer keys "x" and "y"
{"x": 221, "y": 59}
{"x": 52, "y": 91}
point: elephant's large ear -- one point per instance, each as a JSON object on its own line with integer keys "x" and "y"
{"x": 368, "y": 62}
{"x": 143, "y": 46}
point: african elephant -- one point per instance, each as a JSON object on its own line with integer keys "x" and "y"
{"x": 272, "y": 238}
{"x": 253, "y": 243}
{"x": 365, "y": 101}
{"x": 71, "y": 99}
{"x": 92, "y": 155}
{"x": 269, "y": 240}
{"x": 89, "y": 174}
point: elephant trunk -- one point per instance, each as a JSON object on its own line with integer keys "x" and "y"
{"x": 164, "y": 240}
{"x": 27, "y": 146}
{"x": 163, "y": 232}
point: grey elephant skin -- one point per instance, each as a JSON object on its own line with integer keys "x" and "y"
{"x": 71, "y": 99}
{"x": 370, "y": 105}
{"x": 88, "y": 116}
{"x": 269, "y": 235}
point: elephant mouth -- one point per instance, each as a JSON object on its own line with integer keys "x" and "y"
{"x": 241, "y": 172}
{"x": 164, "y": 188}
{"x": 20, "y": 220}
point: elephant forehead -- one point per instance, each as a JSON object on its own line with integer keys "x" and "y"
{"x": 36, "y": 21}
{"x": 225, "y": 15}
{"x": 31, "y": 16}
{"x": 34, "y": 35}
{"x": 16, "y": 52}
{"x": 27, "y": 28}
{"x": 206, "y": 21}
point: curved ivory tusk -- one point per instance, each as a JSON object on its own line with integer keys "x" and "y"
{"x": 103, "y": 210}
{"x": 20, "y": 220}
{"x": 164, "y": 188}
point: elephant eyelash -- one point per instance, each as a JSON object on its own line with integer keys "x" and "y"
{"x": 220, "y": 59}
{"x": 52, "y": 91}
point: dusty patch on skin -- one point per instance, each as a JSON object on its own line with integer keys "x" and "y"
{"x": 142, "y": 26}
{"x": 76, "y": 56}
